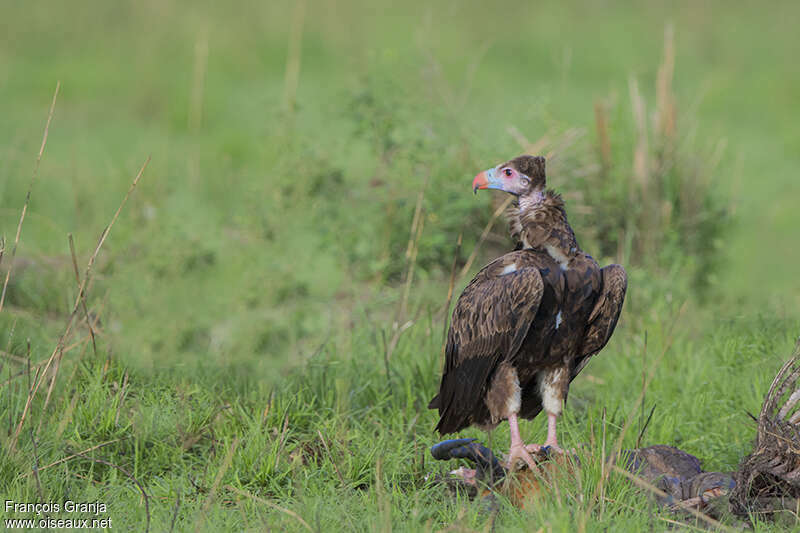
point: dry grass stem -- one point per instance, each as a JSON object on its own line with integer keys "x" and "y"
{"x": 665, "y": 101}
{"x": 335, "y": 466}
{"x": 294, "y": 55}
{"x": 25, "y": 411}
{"x": 497, "y": 212}
{"x": 412, "y": 249}
{"x": 122, "y": 391}
{"x": 28, "y": 196}
{"x": 59, "y": 349}
{"x": 641, "y": 483}
{"x": 603, "y": 138}
{"x": 600, "y": 487}
{"x": 199, "y": 81}
{"x": 226, "y": 464}
{"x": 66, "y": 417}
{"x": 74, "y": 455}
{"x": 83, "y": 300}
{"x": 450, "y": 288}
{"x": 383, "y": 504}
{"x": 175, "y": 513}
{"x": 11, "y": 378}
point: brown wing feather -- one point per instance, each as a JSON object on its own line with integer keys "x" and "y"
{"x": 490, "y": 322}
{"x": 604, "y": 316}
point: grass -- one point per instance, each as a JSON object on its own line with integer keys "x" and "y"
{"x": 268, "y": 314}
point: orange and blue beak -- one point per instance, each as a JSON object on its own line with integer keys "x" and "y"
{"x": 488, "y": 179}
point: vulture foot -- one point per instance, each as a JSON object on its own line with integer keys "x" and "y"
{"x": 519, "y": 451}
{"x": 545, "y": 448}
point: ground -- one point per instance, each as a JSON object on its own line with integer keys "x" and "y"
{"x": 263, "y": 356}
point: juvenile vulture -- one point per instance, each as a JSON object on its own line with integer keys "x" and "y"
{"x": 529, "y": 321}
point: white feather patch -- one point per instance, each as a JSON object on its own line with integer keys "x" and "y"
{"x": 558, "y": 255}
{"x": 550, "y": 392}
{"x": 514, "y": 401}
{"x": 558, "y": 319}
{"x": 509, "y": 269}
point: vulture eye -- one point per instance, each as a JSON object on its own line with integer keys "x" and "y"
{"x": 507, "y": 171}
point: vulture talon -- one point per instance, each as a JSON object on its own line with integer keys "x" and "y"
{"x": 519, "y": 452}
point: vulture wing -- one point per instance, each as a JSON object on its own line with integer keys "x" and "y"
{"x": 605, "y": 314}
{"x": 490, "y": 322}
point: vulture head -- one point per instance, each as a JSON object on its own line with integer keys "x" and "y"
{"x": 521, "y": 176}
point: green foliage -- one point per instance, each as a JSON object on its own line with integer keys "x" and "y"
{"x": 248, "y": 299}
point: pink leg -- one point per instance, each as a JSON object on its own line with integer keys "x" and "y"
{"x": 518, "y": 450}
{"x": 551, "y": 441}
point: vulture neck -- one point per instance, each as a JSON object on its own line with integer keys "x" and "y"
{"x": 541, "y": 222}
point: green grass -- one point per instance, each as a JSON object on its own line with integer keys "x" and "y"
{"x": 251, "y": 285}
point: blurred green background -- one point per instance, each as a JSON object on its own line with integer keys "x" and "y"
{"x": 272, "y": 236}
{"x": 257, "y": 229}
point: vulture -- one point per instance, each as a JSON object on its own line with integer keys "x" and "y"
{"x": 529, "y": 321}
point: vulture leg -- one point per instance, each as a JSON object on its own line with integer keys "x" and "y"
{"x": 553, "y": 384}
{"x": 552, "y": 442}
{"x": 504, "y": 399}
{"x": 518, "y": 449}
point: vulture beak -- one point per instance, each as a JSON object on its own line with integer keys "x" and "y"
{"x": 487, "y": 180}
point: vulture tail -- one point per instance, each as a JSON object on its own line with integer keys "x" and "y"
{"x": 435, "y": 403}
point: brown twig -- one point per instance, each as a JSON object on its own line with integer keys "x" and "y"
{"x": 132, "y": 478}
{"x": 28, "y": 196}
